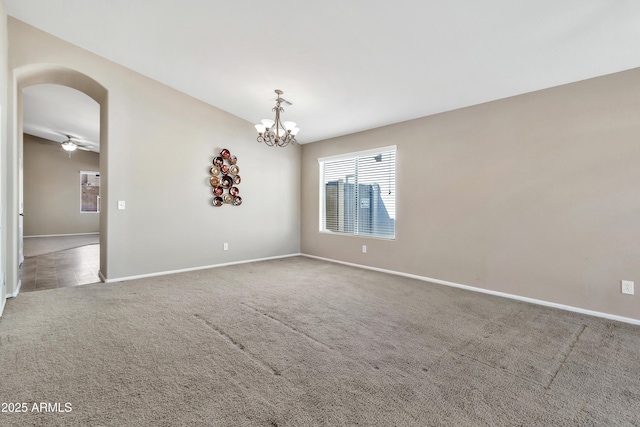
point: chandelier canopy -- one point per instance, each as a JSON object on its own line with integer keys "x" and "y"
{"x": 275, "y": 132}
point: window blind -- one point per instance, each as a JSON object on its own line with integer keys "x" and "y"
{"x": 358, "y": 193}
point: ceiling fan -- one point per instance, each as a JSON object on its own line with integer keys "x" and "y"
{"x": 72, "y": 144}
{"x": 65, "y": 139}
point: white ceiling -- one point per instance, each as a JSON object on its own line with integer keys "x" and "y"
{"x": 351, "y": 65}
{"x": 59, "y": 113}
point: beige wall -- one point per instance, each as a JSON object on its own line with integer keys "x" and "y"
{"x": 3, "y": 149}
{"x": 536, "y": 195}
{"x": 160, "y": 145}
{"x": 52, "y": 189}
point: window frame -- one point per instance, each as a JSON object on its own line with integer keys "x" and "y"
{"x": 322, "y": 195}
{"x": 96, "y": 173}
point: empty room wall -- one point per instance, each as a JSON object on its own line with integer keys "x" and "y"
{"x": 535, "y": 195}
{"x": 52, "y": 189}
{"x": 160, "y": 145}
{"x": 3, "y": 149}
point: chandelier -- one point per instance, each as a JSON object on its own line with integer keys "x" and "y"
{"x": 275, "y": 132}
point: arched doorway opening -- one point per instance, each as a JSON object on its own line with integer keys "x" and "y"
{"x": 34, "y": 74}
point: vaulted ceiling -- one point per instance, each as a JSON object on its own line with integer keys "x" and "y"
{"x": 348, "y": 66}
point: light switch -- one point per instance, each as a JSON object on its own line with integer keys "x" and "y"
{"x": 120, "y": 204}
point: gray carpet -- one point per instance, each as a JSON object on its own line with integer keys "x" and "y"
{"x": 301, "y": 342}
{"x": 35, "y": 246}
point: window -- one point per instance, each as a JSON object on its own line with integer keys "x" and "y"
{"x": 358, "y": 193}
{"x": 89, "y": 192}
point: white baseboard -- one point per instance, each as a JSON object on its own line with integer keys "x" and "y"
{"x": 184, "y": 270}
{"x": 487, "y": 291}
{"x": 11, "y": 295}
{"x": 16, "y": 292}
{"x": 60, "y": 235}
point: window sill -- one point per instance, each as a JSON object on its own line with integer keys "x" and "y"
{"x": 362, "y": 236}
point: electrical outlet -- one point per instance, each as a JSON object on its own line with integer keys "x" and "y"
{"x": 364, "y": 249}
{"x": 627, "y": 287}
{"x": 121, "y": 204}
{"x": 225, "y": 246}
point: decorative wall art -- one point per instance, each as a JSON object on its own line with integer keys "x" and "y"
{"x": 224, "y": 179}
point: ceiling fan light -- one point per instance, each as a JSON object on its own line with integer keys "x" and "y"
{"x": 289, "y": 125}
{"x": 267, "y": 123}
{"x": 295, "y": 131}
{"x": 69, "y": 146}
{"x": 260, "y": 128}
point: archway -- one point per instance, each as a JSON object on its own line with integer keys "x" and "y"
{"x": 33, "y": 74}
